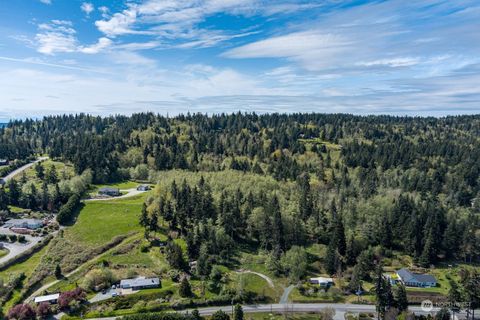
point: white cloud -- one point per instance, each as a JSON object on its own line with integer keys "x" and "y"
{"x": 174, "y": 20}
{"x": 102, "y": 44}
{"x": 118, "y": 24}
{"x": 59, "y": 36}
{"x": 104, "y": 11}
{"x": 298, "y": 46}
{"x": 87, "y": 7}
{"x": 46, "y": 1}
{"x": 392, "y": 62}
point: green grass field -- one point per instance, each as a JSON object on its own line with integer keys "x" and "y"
{"x": 3, "y": 252}
{"x": 100, "y": 221}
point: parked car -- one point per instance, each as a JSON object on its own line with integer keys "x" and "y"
{"x": 114, "y": 287}
{"x": 104, "y": 291}
{"x": 114, "y": 294}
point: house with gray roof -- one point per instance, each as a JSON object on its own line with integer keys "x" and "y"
{"x": 31, "y": 224}
{"x": 107, "y": 191}
{"x": 411, "y": 279}
{"x": 140, "y": 283}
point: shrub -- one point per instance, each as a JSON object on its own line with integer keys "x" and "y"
{"x": 21, "y": 312}
{"x": 67, "y": 211}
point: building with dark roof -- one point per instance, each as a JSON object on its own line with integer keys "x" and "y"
{"x": 411, "y": 279}
{"x": 107, "y": 191}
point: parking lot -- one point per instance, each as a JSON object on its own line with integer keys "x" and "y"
{"x": 17, "y": 248}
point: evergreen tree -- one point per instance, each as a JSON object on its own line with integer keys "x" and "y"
{"x": 185, "y": 290}
{"x": 13, "y": 192}
{"x": 278, "y": 240}
{"x": 144, "y": 221}
{"x": 401, "y": 298}
{"x": 58, "y": 271}
{"x": 3, "y": 199}
{"x": 220, "y": 315}
{"x": 52, "y": 176}
{"x": 39, "y": 171}
{"x": 174, "y": 256}
{"x": 381, "y": 302}
{"x": 238, "y": 312}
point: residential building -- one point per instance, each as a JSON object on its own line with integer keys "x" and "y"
{"x": 143, "y": 187}
{"x": 411, "y": 279}
{"x": 140, "y": 283}
{"x": 31, "y": 224}
{"x": 51, "y": 298}
{"x": 322, "y": 281}
{"x": 107, "y": 191}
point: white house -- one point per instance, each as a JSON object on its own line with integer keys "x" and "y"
{"x": 51, "y": 298}
{"x": 322, "y": 281}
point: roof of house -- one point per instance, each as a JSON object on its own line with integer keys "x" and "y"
{"x": 50, "y": 297}
{"x": 322, "y": 279}
{"x": 408, "y": 276}
{"x": 24, "y": 221}
{"x": 140, "y": 282}
{"x": 108, "y": 189}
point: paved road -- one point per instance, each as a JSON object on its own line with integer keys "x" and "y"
{"x": 25, "y": 167}
{"x": 129, "y": 193}
{"x": 340, "y": 309}
{"x": 286, "y": 293}
{"x": 17, "y": 248}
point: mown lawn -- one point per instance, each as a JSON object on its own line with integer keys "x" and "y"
{"x": 253, "y": 283}
{"x": 100, "y": 221}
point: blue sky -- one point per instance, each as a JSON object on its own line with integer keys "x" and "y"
{"x": 364, "y": 57}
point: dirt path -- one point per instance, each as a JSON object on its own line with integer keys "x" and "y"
{"x": 129, "y": 193}
{"x": 261, "y": 275}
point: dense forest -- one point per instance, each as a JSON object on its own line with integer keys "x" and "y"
{"x": 353, "y": 183}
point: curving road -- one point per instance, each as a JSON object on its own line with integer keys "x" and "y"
{"x": 25, "y": 167}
